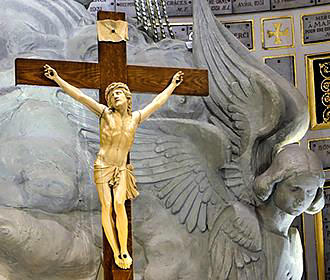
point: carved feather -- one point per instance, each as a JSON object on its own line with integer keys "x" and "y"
{"x": 236, "y": 226}
{"x": 183, "y": 162}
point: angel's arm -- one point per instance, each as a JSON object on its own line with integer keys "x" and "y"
{"x": 161, "y": 98}
{"x": 74, "y": 92}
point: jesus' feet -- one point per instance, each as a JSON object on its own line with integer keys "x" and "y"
{"x": 119, "y": 261}
{"x": 127, "y": 260}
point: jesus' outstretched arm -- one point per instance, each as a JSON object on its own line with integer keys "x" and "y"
{"x": 74, "y": 92}
{"x": 161, "y": 98}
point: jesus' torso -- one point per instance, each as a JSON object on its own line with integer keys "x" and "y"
{"x": 116, "y": 138}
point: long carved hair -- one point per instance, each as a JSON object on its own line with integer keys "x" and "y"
{"x": 118, "y": 85}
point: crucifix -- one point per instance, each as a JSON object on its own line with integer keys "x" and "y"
{"x": 112, "y": 67}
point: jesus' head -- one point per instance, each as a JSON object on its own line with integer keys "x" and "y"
{"x": 117, "y": 93}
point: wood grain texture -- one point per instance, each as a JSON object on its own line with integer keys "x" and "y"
{"x": 79, "y": 74}
{"x": 112, "y": 58}
{"x": 88, "y": 75}
{"x": 155, "y": 79}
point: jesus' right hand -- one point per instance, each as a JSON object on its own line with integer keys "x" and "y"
{"x": 50, "y": 72}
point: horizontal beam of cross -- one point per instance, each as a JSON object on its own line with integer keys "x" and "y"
{"x": 87, "y": 75}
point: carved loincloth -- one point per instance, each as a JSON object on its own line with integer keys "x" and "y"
{"x": 111, "y": 175}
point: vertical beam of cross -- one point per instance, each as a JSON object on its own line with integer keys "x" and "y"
{"x": 113, "y": 65}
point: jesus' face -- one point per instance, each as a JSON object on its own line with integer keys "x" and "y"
{"x": 117, "y": 98}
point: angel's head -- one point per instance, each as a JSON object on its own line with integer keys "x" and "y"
{"x": 294, "y": 181}
{"x": 118, "y": 94}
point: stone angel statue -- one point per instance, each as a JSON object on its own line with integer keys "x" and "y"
{"x": 238, "y": 178}
{"x": 114, "y": 178}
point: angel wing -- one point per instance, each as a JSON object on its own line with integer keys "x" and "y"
{"x": 257, "y": 108}
{"x": 235, "y": 245}
{"x": 260, "y": 112}
{"x": 181, "y": 159}
{"x": 86, "y": 121}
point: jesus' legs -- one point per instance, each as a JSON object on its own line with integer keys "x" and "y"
{"x": 107, "y": 221}
{"x": 122, "y": 228}
{"x": 121, "y": 221}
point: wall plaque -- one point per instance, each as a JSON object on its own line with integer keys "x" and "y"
{"x": 288, "y": 4}
{"x": 177, "y": 8}
{"x": 318, "y": 85}
{"x": 180, "y": 31}
{"x": 250, "y": 6}
{"x": 101, "y": 5}
{"x": 284, "y": 65}
{"x": 277, "y": 32}
{"x": 126, "y": 6}
{"x": 322, "y": 148}
{"x": 243, "y": 31}
{"x": 316, "y": 28}
{"x": 221, "y": 7}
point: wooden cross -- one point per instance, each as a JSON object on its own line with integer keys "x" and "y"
{"x": 112, "y": 67}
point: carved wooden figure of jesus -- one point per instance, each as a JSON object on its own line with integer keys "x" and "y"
{"x": 113, "y": 177}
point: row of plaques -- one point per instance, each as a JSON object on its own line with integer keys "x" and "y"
{"x": 243, "y": 31}
{"x": 179, "y": 8}
{"x": 277, "y": 32}
{"x": 318, "y": 91}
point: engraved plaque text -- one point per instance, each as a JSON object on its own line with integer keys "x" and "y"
{"x": 176, "y": 8}
{"x": 250, "y": 6}
{"x": 126, "y": 6}
{"x": 101, "y": 5}
{"x": 316, "y": 28}
{"x": 220, "y": 7}
{"x": 242, "y": 31}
